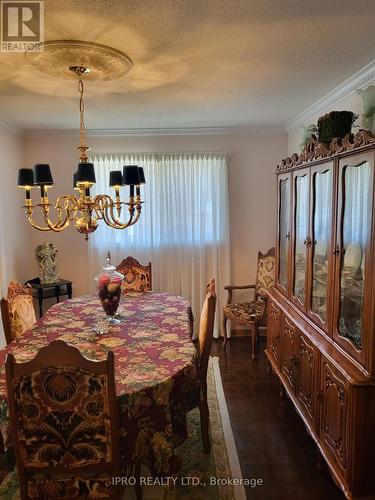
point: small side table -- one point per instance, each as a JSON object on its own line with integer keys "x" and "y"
{"x": 45, "y": 291}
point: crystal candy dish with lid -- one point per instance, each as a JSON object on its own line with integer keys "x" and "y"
{"x": 109, "y": 289}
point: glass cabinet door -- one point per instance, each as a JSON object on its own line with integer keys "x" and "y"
{"x": 300, "y": 232}
{"x": 284, "y": 200}
{"x": 321, "y": 248}
{"x": 354, "y": 240}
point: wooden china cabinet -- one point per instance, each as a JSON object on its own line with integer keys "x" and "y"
{"x": 321, "y": 317}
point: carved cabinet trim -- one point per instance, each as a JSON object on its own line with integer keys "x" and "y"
{"x": 273, "y": 327}
{"x": 288, "y": 352}
{"x": 334, "y": 412}
{"x": 307, "y": 377}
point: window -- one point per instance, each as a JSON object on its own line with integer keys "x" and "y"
{"x": 184, "y": 226}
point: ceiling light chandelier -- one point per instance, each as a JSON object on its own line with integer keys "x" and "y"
{"x": 83, "y": 210}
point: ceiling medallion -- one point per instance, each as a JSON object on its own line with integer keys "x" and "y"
{"x": 57, "y": 56}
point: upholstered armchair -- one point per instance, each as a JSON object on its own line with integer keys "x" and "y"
{"x": 17, "y": 310}
{"x": 252, "y": 313}
{"x": 137, "y": 278}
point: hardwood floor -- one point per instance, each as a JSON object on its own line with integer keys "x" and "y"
{"x": 272, "y": 442}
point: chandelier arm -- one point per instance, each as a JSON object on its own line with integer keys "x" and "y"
{"x": 58, "y": 226}
{"x": 29, "y": 209}
{"x": 71, "y": 203}
{"x": 105, "y": 206}
{"x": 136, "y": 219}
{"x": 98, "y": 214}
{"x": 136, "y": 206}
{"x": 104, "y": 215}
{"x": 35, "y": 225}
{"x": 62, "y": 221}
{"x": 117, "y": 222}
{"x": 102, "y": 203}
{"x": 130, "y": 222}
{"x": 119, "y": 225}
{"x": 133, "y": 206}
{"x": 112, "y": 221}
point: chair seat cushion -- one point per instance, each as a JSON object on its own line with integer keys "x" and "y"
{"x": 248, "y": 312}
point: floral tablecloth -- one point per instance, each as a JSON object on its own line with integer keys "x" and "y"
{"x": 156, "y": 371}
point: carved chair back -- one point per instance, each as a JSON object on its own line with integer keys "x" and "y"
{"x": 137, "y": 278}
{"x": 206, "y": 329}
{"x": 265, "y": 278}
{"x": 63, "y": 415}
{"x": 17, "y": 310}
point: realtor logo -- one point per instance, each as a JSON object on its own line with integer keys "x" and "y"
{"x": 22, "y": 26}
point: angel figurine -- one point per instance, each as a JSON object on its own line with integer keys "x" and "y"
{"x": 46, "y": 256}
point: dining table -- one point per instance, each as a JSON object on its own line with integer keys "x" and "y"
{"x": 156, "y": 367}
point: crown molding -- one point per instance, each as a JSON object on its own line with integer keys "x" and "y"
{"x": 11, "y": 128}
{"x": 361, "y": 79}
{"x": 158, "y": 132}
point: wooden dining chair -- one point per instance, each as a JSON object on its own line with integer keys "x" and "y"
{"x": 137, "y": 278}
{"x": 17, "y": 310}
{"x": 63, "y": 414}
{"x": 252, "y": 313}
{"x": 206, "y": 328}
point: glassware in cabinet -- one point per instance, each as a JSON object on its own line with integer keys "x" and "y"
{"x": 283, "y": 239}
{"x": 301, "y": 238}
{"x": 322, "y": 230}
{"x": 353, "y": 306}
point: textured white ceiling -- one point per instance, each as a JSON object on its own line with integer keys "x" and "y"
{"x": 197, "y": 63}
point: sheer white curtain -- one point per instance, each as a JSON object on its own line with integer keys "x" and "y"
{"x": 322, "y": 214}
{"x": 184, "y": 226}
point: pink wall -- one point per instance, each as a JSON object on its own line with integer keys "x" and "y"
{"x": 252, "y": 193}
{"x": 14, "y": 227}
{"x": 14, "y": 232}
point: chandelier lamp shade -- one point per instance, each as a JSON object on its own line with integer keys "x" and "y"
{"x": 83, "y": 210}
{"x": 115, "y": 179}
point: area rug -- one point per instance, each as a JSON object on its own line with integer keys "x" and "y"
{"x": 201, "y": 476}
{"x": 204, "y": 477}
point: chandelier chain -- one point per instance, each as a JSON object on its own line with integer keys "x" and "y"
{"x": 82, "y": 126}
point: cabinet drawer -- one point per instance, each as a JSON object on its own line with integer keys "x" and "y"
{"x": 334, "y": 413}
